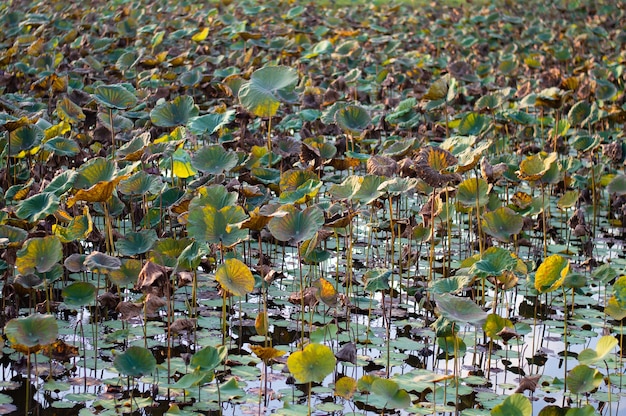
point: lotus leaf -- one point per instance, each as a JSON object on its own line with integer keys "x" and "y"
{"x": 214, "y": 159}
{"x": 32, "y": 332}
{"x": 25, "y": 140}
{"x": 473, "y": 192}
{"x": 352, "y": 119}
{"x": 62, "y": 146}
{"x": 101, "y": 263}
{"x": 495, "y": 324}
{"x": 267, "y": 87}
{"x": 235, "y": 277}
{"x": 140, "y": 183}
{"x": 551, "y": 273}
{"x": 135, "y": 362}
{"x": 514, "y": 405}
{"x": 79, "y": 294}
{"x": 210, "y": 123}
{"x": 312, "y": 364}
{"x": 135, "y": 243}
{"x": 115, "y": 96}
{"x": 394, "y": 396}
{"x": 460, "y": 309}
{"x": 78, "y": 228}
{"x": 605, "y": 345}
{"x": 208, "y": 358}
{"x": 174, "y": 113}
{"x": 37, "y": 207}
{"x": 39, "y": 254}
{"x": 217, "y": 226}
{"x": 503, "y": 223}
{"x": 181, "y": 164}
{"x": 345, "y": 387}
{"x": 583, "y": 379}
{"x": 296, "y": 225}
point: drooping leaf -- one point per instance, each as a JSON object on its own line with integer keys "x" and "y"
{"x": 352, "y": 119}
{"x": 551, "y": 273}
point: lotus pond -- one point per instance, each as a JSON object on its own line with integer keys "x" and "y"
{"x": 295, "y": 208}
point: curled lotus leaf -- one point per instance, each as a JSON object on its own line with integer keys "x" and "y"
{"x": 534, "y": 167}
{"x": 94, "y": 171}
{"x": 431, "y": 166}
{"x": 37, "y": 207}
{"x": 551, "y": 273}
{"x": 352, "y": 119}
{"x": 217, "y": 226}
{"x": 62, "y": 146}
{"x": 381, "y": 165}
{"x": 25, "y": 140}
{"x": 98, "y": 262}
{"x": 210, "y": 123}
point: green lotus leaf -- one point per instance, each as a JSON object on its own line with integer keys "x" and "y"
{"x": 579, "y": 113}
{"x": 208, "y": 358}
{"x": 37, "y": 207}
{"x": 61, "y": 183}
{"x": 267, "y": 87}
{"x": 458, "y": 309}
{"x": 191, "y": 256}
{"x": 127, "y": 274}
{"x": 588, "y": 410}
{"x": 39, "y": 254}
{"x": 235, "y": 277}
{"x": 14, "y": 235}
{"x": 62, "y": 146}
{"x": 514, "y": 405}
{"x": 585, "y": 143}
{"x": 135, "y": 243}
{"x": 79, "y": 294}
{"x": 216, "y": 196}
{"x": 502, "y": 224}
{"x": 472, "y": 124}
{"x": 376, "y": 280}
{"x": 25, "y": 140}
{"x": 207, "y": 224}
{"x": 551, "y": 273}
{"x": 141, "y": 183}
{"x": 302, "y": 194}
{"x": 210, "y": 123}
{"x": 617, "y": 185}
{"x": 116, "y": 123}
{"x": 451, "y": 344}
{"x": 114, "y": 96}
{"x": 605, "y": 90}
{"x": 494, "y": 324}
{"x": 214, "y": 159}
{"x": 101, "y": 263}
{"x": 312, "y": 364}
{"x": 438, "y": 90}
{"x": 266, "y": 176}
{"x": 392, "y": 394}
{"x": 450, "y": 285}
{"x": 473, "y": 192}
{"x": 347, "y": 188}
{"x": 369, "y": 190}
{"x": 583, "y": 379}
{"x": 190, "y": 78}
{"x": 294, "y": 178}
{"x": 75, "y": 263}
{"x": 605, "y": 345}
{"x": 397, "y": 186}
{"x": 95, "y": 171}
{"x": 174, "y": 113}
{"x": 352, "y": 119}
{"x": 619, "y": 290}
{"x": 135, "y": 362}
{"x": 167, "y": 250}
{"x": 134, "y": 149}
{"x": 194, "y": 379}
{"x": 32, "y": 331}
{"x": 296, "y": 225}
{"x": 534, "y": 167}
{"x": 569, "y": 198}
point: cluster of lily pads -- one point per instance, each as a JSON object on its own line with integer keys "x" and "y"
{"x": 305, "y": 208}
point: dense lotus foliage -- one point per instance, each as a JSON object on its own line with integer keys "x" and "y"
{"x": 308, "y": 208}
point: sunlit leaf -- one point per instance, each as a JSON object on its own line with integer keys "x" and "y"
{"x": 266, "y": 353}
{"x": 181, "y": 164}
{"x": 39, "y": 254}
{"x": 473, "y": 192}
{"x": 296, "y": 225}
{"x": 78, "y": 228}
{"x": 235, "y": 276}
{"x": 208, "y": 358}
{"x": 583, "y": 379}
{"x": 217, "y": 226}
{"x": 514, "y": 405}
{"x": 312, "y": 364}
{"x": 494, "y": 324}
{"x": 605, "y": 345}
{"x": 551, "y": 273}
{"x": 267, "y": 87}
